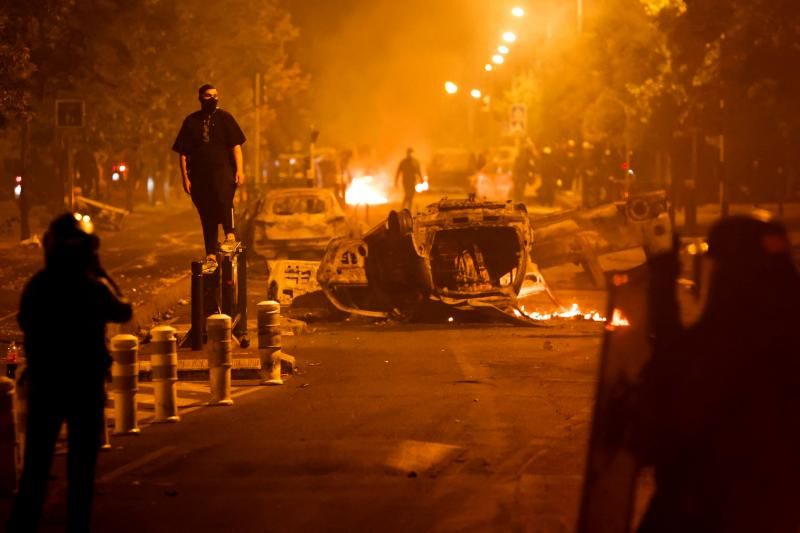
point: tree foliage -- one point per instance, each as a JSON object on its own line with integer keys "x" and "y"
{"x": 138, "y": 63}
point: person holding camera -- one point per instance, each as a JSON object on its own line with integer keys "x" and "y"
{"x": 63, "y": 314}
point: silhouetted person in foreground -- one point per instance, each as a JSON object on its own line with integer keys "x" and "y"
{"x": 210, "y": 147}
{"x": 63, "y": 314}
{"x": 719, "y": 411}
{"x": 411, "y": 173}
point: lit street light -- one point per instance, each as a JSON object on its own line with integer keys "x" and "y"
{"x": 498, "y": 59}
{"x": 503, "y": 49}
{"x": 488, "y": 67}
{"x": 518, "y": 12}
{"x": 509, "y": 37}
{"x": 475, "y": 93}
{"x": 450, "y": 87}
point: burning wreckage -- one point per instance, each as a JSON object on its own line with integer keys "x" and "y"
{"x": 457, "y": 255}
{"x": 462, "y": 256}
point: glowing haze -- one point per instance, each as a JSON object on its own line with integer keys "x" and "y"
{"x": 378, "y": 67}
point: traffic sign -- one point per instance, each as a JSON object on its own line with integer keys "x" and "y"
{"x": 518, "y": 120}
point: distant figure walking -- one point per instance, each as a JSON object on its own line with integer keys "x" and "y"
{"x": 63, "y": 313}
{"x": 411, "y": 173}
{"x": 719, "y": 402}
{"x": 210, "y": 147}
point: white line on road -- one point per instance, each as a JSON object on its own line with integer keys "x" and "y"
{"x": 133, "y": 465}
{"x": 236, "y": 394}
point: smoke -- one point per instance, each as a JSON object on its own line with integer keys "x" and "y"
{"x": 378, "y": 69}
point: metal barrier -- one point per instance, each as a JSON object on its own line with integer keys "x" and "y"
{"x": 220, "y": 290}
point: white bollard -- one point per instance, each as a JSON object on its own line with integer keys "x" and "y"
{"x": 164, "y": 367}
{"x": 124, "y": 383}
{"x": 219, "y": 359}
{"x": 8, "y": 438}
{"x": 269, "y": 324}
{"x": 269, "y": 343}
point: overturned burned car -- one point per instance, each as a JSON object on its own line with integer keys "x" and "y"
{"x": 298, "y": 223}
{"x": 457, "y": 253}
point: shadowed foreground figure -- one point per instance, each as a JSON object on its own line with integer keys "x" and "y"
{"x": 719, "y": 415}
{"x": 63, "y": 314}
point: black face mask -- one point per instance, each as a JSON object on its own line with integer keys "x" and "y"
{"x": 209, "y": 105}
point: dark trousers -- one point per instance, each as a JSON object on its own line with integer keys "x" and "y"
{"x": 214, "y": 208}
{"x": 47, "y": 410}
{"x": 408, "y": 196}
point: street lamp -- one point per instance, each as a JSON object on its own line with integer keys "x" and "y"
{"x": 498, "y": 59}
{"x": 509, "y": 37}
{"x": 518, "y": 12}
{"x": 488, "y": 67}
{"x": 503, "y": 49}
{"x": 450, "y": 87}
{"x": 475, "y": 93}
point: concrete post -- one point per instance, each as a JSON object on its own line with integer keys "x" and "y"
{"x": 164, "y": 367}
{"x": 269, "y": 343}
{"x": 8, "y": 438}
{"x": 124, "y": 383}
{"x": 219, "y": 359}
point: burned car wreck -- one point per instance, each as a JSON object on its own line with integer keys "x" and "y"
{"x": 458, "y": 254}
{"x": 298, "y": 223}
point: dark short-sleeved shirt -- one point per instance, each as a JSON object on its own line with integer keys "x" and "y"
{"x": 207, "y": 142}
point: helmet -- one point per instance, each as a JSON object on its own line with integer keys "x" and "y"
{"x": 70, "y": 237}
{"x": 747, "y": 239}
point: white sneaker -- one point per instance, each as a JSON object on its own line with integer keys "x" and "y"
{"x": 229, "y": 245}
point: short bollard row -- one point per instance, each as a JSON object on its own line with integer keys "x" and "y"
{"x": 164, "y": 367}
{"x": 269, "y": 343}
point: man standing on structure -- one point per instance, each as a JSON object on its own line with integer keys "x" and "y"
{"x": 210, "y": 147}
{"x": 410, "y": 170}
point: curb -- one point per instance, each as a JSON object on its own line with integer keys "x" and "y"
{"x": 158, "y": 302}
{"x": 197, "y": 369}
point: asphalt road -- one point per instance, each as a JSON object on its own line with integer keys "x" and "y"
{"x": 386, "y": 428}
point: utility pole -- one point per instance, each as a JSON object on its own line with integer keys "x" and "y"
{"x": 690, "y": 185}
{"x": 257, "y": 97}
{"x": 580, "y": 15}
{"x": 724, "y": 185}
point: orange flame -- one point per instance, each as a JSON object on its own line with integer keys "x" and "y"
{"x": 618, "y": 320}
